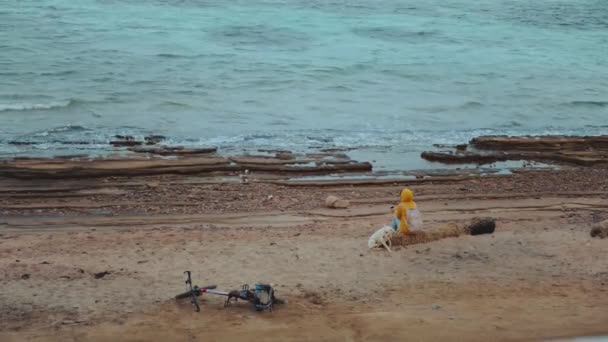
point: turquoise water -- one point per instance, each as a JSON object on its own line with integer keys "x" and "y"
{"x": 388, "y": 77}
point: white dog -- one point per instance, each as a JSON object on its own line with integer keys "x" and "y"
{"x": 382, "y": 237}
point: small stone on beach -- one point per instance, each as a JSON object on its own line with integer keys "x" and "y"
{"x": 334, "y": 202}
{"x": 101, "y": 274}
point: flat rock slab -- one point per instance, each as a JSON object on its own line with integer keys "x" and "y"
{"x": 584, "y": 151}
{"x": 32, "y": 168}
{"x": 541, "y": 143}
{"x": 51, "y": 168}
{"x": 263, "y": 160}
{"x": 317, "y": 169}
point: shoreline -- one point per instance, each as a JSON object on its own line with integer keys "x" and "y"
{"x": 145, "y": 230}
{"x": 150, "y": 157}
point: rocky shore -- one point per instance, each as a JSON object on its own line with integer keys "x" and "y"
{"x": 92, "y": 248}
{"x": 156, "y": 159}
{"x": 562, "y": 150}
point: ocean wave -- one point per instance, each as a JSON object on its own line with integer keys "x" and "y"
{"x": 588, "y": 103}
{"x": 174, "y": 104}
{"x": 31, "y": 73}
{"x": 60, "y": 143}
{"x": 35, "y": 106}
{"x": 392, "y": 140}
{"x": 395, "y": 34}
{"x": 446, "y": 108}
{"x": 175, "y": 55}
{"x": 471, "y": 104}
{"x": 263, "y": 35}
{"x": 64, "y": 129}
{"x": 391, "y": 144}
{"x": 58, "y": 73}
{"x": 169, "y": 55}
{"x": 338, "y": 87}
{"x": 16, "y": 73}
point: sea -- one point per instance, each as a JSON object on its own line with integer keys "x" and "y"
{"x": 384, "y": 79}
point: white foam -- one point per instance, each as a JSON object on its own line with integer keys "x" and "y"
{"x": 33, "y": 106}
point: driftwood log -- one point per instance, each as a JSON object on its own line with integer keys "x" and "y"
{"x": 477, "y": 226}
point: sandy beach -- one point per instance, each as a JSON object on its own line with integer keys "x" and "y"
{"x": 539, "y": 276}
{"x": 269, "y": 143}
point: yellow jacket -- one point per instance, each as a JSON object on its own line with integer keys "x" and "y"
{"x": 407, "y": 202}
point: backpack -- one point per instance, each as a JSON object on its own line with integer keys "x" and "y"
{"x": 414, "y": 219}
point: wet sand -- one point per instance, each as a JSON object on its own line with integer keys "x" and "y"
{"x": 539, "y": 276}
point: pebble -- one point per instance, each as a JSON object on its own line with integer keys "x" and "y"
{"x": 101, "y": 274}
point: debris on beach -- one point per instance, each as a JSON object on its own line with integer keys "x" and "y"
{"x": 479, "y": 226}
{"x": 244, "y": 177}
{"x": 334, "y": 202}
{"x": 600, "y": 230}
{"x": 101, "y": 274}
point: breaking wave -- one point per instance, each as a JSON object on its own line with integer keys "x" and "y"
{"x": 35, "y": 106}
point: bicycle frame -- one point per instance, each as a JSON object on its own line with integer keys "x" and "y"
{"x": 256, "y": 296}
